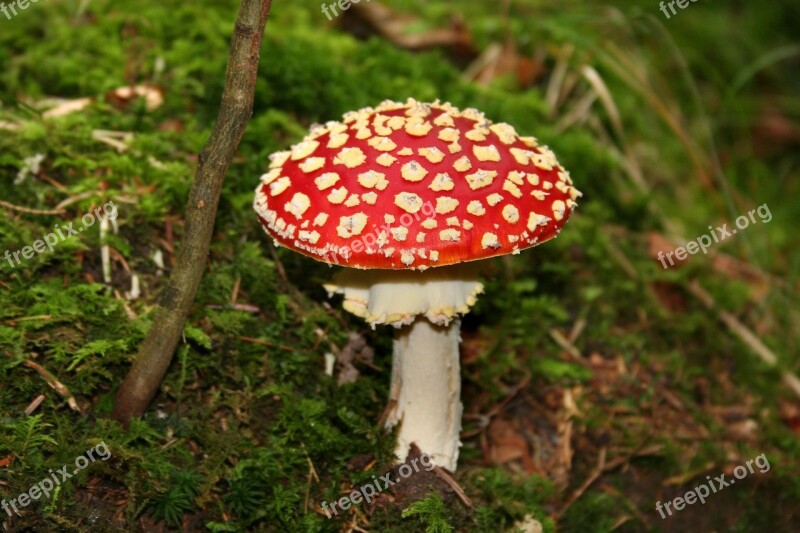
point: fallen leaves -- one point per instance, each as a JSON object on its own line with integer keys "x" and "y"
{"x": 122, "y": 97}
{"x": 507, "y": 443}
{"x": 789, "y": 413}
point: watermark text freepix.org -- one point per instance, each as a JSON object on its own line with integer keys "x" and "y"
{"x": 49, "y": 483}
{"x": 344, "y": 5}
{"x": 12, "y": 7}
{"x": 368, "y": 491}
{"x": 62, "y": 233}
{"x": 701, "y": 492}
{"x": 721, "y": 233}
{"x": 683, "y": 4}
{"x": 381, "y": 234}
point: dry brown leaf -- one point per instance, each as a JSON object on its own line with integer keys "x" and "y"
{"x": 789, "y": 413}
{"x": 506, "y": 444}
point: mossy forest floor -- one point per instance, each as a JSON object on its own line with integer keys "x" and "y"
{"x": 596, "y": 382}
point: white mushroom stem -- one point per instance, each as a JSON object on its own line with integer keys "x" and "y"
{"x": 426, "y": 385}
{"x": 426, "y": 391}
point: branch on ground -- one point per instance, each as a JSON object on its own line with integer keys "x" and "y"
{"x": 155, "y": 354}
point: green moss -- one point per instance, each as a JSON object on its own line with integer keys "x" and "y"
{"x": 248, "y": 433}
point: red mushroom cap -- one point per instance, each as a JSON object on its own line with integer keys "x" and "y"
{"x": 413, "y": 185}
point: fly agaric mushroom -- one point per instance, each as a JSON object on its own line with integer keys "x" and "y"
{"x": 409, "y": 196}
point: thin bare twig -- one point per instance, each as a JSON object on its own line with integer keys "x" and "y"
{"x": 34, "y": 405}
{"x": 155, "y": 353}
{"x": 29, "y": 210}
{"x": 268, "y": 343}
{"x": 445, "y": 476}
{"x": 312, "y": 476}
{"x": 55, "y": 384}
{"x": 596, "y": 473}
{"x": 746, "y": 336}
